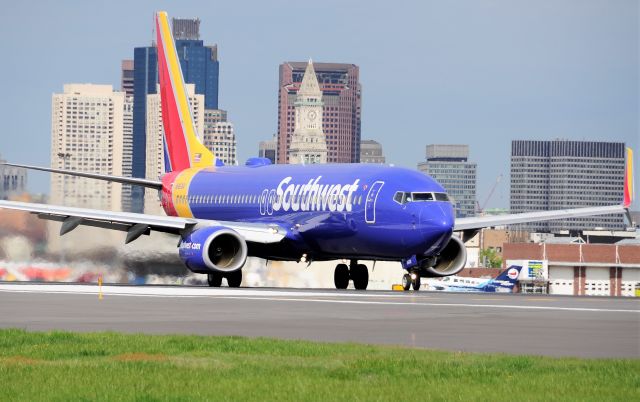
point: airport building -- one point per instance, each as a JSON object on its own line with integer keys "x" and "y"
{"x": 342, "y": 100}
{"x": 155, "y": 140}
{"x": 308, "y": 142}
{"x": 268, "y": 149}
{"x": 87, "y": 124}
{"x": 13, "y": 181}
{"x": 200, "y": 66}
{"x": 449, "y": 165}
{"x": 371, "y": 152}
{"x": 572, "y": 267}
{"x": 219, "y": 136}
{"x": 560, "y": 174}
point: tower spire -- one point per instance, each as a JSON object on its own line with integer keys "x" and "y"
{"x": 309, "y": 85}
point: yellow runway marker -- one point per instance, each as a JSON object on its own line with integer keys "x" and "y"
{"x": 100, "y": 287}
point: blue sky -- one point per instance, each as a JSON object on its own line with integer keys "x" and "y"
{"x": 466, "y": 71}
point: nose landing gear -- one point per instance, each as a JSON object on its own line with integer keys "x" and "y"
{"x": 411, "y": 280}
{"x": 358, "y": 273}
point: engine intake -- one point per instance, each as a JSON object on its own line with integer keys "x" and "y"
{"x": 450, "y": 261}
{"x": 214, "y": 248}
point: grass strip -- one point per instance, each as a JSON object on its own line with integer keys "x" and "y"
{"x": 113, "y": 366}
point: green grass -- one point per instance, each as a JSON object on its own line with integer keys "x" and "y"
{"x": 72, "y": 366}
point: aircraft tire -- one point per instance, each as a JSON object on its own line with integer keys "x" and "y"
{"x": 234, "y": 279}
{"x": 361, "y": 277}
{"x": 406, "y": 281}
{"x": 214, "y": 279}
{"x": 416, "y": 283}
{"x": 341, "y": 276}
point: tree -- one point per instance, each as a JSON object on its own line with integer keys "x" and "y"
{"x": 490, "y": 259}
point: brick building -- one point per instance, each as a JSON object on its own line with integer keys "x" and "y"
{"x": 584, "y": 269}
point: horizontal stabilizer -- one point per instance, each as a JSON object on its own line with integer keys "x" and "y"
{"x": 156, "y": 184}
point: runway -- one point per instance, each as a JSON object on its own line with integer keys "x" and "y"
{"x": 508, "y": 323}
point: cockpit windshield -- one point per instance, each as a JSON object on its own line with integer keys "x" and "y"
{"x": 403, "y": 197}
{"x": 422, "y": 196}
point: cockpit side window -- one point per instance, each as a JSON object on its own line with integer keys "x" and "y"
{"x": 442, "y": 197}
{"x": 402, "y": 197}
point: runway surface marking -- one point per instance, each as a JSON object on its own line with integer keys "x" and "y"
{"x": 503, "y": 306}
{"x": 284, "y": 295}
{"x": 490, "y": 298}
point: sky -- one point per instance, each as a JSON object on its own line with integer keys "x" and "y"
{"x": 476, "y": 72}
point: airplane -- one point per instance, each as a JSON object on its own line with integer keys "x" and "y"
{"x": 502, "y": 283}
{"x": 305, "y": 213}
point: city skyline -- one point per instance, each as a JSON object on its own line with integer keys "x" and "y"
{"x": 500, "y": 72}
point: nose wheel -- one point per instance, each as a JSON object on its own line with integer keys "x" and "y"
{"x": 358, "y": 273}
{"x": 411, "y": 280}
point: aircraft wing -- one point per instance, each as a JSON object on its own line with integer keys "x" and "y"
{"x": 478, "y": 222}
{"x": 138, "y": 224}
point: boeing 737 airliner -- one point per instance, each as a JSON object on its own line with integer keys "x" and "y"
{"x": 354, "y": 212}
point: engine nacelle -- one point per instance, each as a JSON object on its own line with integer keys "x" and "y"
{"x": 450, "y": 261}
{"x": 214, "y": 248}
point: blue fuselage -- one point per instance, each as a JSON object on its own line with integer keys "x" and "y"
{"x": 329, "y": 211}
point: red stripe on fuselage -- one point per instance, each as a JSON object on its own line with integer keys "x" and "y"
{"x": 167, "y": 193}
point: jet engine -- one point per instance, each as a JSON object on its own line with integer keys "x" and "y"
{"x": 450, "y": 261}
{"x": 214, "y": 248}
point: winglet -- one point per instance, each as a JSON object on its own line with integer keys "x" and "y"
{"x": 182, "y": 144}
{"x": 628, "y": 180}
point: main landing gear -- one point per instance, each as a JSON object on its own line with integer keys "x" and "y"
{"x": 234, "y": 278}
{"x": 358, "y": 273}
{"x": 411, "y": 279}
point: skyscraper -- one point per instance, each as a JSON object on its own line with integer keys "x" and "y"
{"x": 371, "y": 152}
{"x": 561, "y": 174}
{"x": 449, "y": 165}
{"x": 308, "y": 144}
{"x": 126, "y": 77}
{"x": 86, "y": 135}
{"x": 200, "y": 67}
{"x": 145, "y": 78}
{"x": 127, "y": 150}
{"x": 219, "y": 136}
{"x": 185, "y": 28}
{"x": 341, "y": 96}
{"x": 13, "y": 180}
{"x": 267, "y": 149}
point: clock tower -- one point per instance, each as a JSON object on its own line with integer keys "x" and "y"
{"x": 308, "y": 143}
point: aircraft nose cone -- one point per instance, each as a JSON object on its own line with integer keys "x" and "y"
{"x": 436, "y": 224}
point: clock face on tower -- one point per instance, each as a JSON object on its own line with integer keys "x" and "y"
{"x": 312, "y": 115}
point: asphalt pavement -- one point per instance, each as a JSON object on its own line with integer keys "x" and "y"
{"x": 474, "y": 322}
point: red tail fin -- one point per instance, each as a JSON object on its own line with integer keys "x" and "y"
{"x": 182, "y": 144}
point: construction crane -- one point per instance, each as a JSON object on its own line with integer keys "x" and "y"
{"x": 480, "y": 208}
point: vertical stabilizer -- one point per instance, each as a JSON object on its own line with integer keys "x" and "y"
{"x": 505, "y": 281}
{"x": 628, "y": 179}
{"x": 183, "y": 148}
